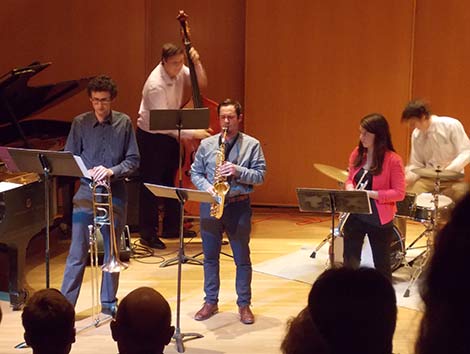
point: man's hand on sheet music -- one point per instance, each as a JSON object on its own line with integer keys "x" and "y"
{"x": 99, "y": 173}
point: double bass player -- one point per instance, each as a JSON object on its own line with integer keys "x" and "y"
{"x": 167, "y": 87}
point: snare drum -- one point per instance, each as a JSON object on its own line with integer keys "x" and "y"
{"x": 425, "y": 207}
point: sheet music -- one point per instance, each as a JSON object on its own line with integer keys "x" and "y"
{"x": 82, "y": 166}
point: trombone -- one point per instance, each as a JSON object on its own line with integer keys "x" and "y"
{"x": 103, "y": 215}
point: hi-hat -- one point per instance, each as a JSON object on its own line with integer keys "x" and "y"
{"x": 333, "y": 172}
{"x": 430, "y": 172}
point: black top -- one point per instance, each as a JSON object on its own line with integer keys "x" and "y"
{"x": 372, "y": 219}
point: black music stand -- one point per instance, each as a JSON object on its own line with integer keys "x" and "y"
{"x": 183, "y": 195}
{"x": 179, "y": 119}
{"x": 333, "y": 201}
{"x": 48, "y": 163}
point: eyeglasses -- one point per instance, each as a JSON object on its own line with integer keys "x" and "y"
{"x": 100, "y": 100}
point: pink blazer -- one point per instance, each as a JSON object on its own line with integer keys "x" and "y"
{"x": 390, "y": 184}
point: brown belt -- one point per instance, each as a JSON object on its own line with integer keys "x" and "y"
{"x": 237, "y": 198}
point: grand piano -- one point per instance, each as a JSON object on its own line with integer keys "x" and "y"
{"x": 22, "y": 202}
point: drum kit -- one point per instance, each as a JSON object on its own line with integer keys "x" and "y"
{"x": 429, "y": 209}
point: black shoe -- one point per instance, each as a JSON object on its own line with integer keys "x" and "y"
{"x": 109, "y": 310}
{"x": 154, "y": 243}
{"x": 176, "y": 234}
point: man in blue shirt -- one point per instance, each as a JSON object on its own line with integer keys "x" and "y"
{"x": 105, "y": 140}
{"x": 244, "y": 166}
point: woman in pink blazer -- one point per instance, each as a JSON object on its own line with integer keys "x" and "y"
{"x": 378, "y": 169}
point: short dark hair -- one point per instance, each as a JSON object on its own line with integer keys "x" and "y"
{"x": 354, "y": 310}
{"x": 143, "y": 322}
{"x": 102, "y": 83}
{"x": 169, "y": 50}
{"x": 49, "y": 320}
{"x": 416, "y": 109}
{"x": 230, "y": 102}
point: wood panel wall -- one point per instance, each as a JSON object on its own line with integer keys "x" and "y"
{"x": 314, "y": 69}
{"x": 81, "y": 39}
{"x": 442, "y": 54}
{"x": 306, "y": 70}
{"x": 122, "y": 39}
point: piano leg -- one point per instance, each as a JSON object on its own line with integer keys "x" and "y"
{"x": 18, "y": 294}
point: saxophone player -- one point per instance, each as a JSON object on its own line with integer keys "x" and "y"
{"x": 374, "y": 161}
{"x": 105, "y": 140}
{"x": 243, "y": 167}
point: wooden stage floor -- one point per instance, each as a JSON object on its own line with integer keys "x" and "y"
{"x": 276, "y": 232}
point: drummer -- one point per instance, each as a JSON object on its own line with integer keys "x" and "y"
{"x": 436, "y": 143}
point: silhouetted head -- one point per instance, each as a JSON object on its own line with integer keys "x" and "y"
{"x": 49, "y": 322}
{"x": 354, "y": 310}
{"x": 143, "y": 322}
{"x": 445, "y": 289}
{"x": 302, "y": 336}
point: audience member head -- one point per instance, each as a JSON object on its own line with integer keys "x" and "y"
{"x": 143, "y": 323}
{"x": 354, "y": 310}
{"x": 445, "y": 289}
{"x": 49, "y": 322}
{"x": 302, "y": 336}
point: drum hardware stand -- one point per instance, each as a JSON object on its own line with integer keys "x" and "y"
{"x": 430, "y": 233}
{"x": 336, "y": 232}
{"x": 333, "y": 201}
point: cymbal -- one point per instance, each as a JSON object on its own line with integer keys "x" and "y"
{"x": 430, "y": 172}
{"x": 333, "y": 172}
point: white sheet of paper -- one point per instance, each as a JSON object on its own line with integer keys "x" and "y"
{"x": 82, "y": 166}
{"x": 6, "y": 186}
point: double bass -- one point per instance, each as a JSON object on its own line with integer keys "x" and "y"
{"x": 189, "y": 146}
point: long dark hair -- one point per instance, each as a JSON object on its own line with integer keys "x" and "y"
{"x": 375, "y": 123}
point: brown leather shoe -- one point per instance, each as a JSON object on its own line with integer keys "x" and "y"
{"x": 246, "y": 316}
{"x": 206, "y": 312}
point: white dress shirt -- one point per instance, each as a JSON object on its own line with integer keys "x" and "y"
{"x": 444, "y": 144}
{"x": 161, "y": 92}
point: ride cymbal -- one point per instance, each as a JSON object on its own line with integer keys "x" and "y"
{"x": 332, "y": 172}
{"x": 430, "y": 172}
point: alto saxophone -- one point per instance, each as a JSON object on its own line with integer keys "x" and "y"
{"x": 221, "y": 186}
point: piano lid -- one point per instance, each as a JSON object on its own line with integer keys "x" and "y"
{"x": 19, "y": 101}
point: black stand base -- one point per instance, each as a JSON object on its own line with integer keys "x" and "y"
{"x": 184, "y": 259}
{"x": 180, "y": 339}
{"x": 224, "y": 243}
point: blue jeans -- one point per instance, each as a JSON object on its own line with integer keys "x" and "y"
{"x": 236, "y": 222}
{"x": 78, "y": 253}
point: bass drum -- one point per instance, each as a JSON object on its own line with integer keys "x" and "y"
{"x": 397, "y": 250}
